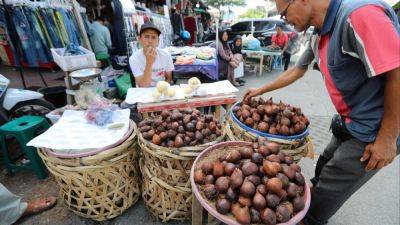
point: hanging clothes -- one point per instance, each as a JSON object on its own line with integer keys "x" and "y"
{"x": 190, "y": 26}
{"x": 42, "y": 25}
{"x": 26, "y": 37}
{"x": 6, "y": 50}
{"x": 75, "y": 24}
{"x": 38, "y": 30}
{"x": 70, "y": 28}
{"x": 52, "y": 20}
{"x": 40, "y": 43}
{"x": 118, "y": 37}
{"x": 176, "y": 21}
{"x": 51, "y": 29}
{"x": 60, "y": 24}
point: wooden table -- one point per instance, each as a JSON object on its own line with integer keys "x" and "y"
{"x": 261, "y": 54}
{"x": 195, "y": 102}
{"x": 197, "y": 214}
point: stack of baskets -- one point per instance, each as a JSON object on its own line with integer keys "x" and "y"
{"x": 100, "y": 186}
{"x": 298, "y": 146}
{"x": 166, "y": 189}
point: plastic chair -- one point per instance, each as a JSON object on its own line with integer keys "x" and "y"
{"x": 24, "y": 129}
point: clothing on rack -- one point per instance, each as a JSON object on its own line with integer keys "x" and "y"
{"x": 39, "y": 40}
{"x": 40, "y": 28}
{"x": 26, "y": 37}
{"x": 70, "y": 27}
{"x": 60, "y": 24}
{"x": 190, "y": 26}
{"x": 55, "y": 31}
{"x": 86, "y": 24}
{"x": 176, "y": 21}
{"x": 6, "y": 51}
{"x": 118, "y": 36}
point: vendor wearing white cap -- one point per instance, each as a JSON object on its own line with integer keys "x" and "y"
{"x": 150, "y": 64}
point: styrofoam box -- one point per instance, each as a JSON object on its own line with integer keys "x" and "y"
{"x": 76, "y": 62}
{"x": 239, "y": 71}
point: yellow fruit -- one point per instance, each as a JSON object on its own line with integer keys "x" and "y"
{"x": 171, "y": 92}
{"x": 194, "y": 81}
{"x": 162, "y": 86}
{"x": 188, "y": 90}
{"x": 156, "y": 95}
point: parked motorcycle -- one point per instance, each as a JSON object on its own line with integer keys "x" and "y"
{"x": 15, "y": 103}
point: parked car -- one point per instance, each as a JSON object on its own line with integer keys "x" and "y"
{"x": 263, "y": 29}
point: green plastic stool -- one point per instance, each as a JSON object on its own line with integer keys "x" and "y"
{"x": 24, "y": 129}
{"x": 104, "y": 58}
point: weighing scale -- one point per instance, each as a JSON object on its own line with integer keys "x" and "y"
{"x": 87, "y": 88}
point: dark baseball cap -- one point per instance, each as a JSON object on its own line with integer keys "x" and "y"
{"x": 148, "y": 26}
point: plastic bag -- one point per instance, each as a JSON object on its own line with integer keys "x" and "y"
{"x": 100, "y": 111}
{"x": 253, "y": 44}
{"x": 73, "y": 49}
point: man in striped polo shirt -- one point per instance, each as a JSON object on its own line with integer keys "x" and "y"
{"x": 356, "y": 46}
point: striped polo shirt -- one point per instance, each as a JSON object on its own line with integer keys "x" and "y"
{"x": 358, "y": 43}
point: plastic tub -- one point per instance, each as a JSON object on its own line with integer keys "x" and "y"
{"x": 267, "y": 135}
{"x": 74, "y": 62}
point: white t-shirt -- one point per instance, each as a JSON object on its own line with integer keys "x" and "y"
{"x": 162, "y": 64}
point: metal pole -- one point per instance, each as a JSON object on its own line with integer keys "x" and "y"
{"x": 81, "y": 26}
{"x": 217, "y": 43}
{"x": 217, "y": 32}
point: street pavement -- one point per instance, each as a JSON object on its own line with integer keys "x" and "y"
{"x": 376, "y": 203}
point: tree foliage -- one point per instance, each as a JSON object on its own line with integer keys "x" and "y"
{"x": 258, "y": 12}
{"x": 218, "y": 3}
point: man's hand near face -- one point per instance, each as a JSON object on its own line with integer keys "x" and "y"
{"x": 150, "y": 54}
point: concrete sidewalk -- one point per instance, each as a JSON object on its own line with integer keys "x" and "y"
{"x": 377, "y": 203}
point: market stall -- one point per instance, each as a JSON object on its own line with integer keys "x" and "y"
{"x": 190, "y": 61}
{"x": 261, "y": 55}
{"x": 183, "y": 157}
{"x": 104, "y": 162}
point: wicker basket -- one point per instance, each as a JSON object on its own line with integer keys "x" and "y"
{"x": 165, "y": 201}
{"x": 101, "y": 186}
{"x": 166, "y": 178}
{"x": 298, "y": 148}
{"x": 212, "y": 154}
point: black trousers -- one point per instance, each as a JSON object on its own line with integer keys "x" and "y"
{"x": 338, "y": 174}
{"x": 286, "y": 59}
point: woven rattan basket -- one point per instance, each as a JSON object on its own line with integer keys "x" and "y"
{"x": 101, "y": 186}
{"x": 166, "y": 187}
{"x": 212, "y": 154}
{"x": 298, "y": 148}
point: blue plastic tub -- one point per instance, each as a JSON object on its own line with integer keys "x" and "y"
{"x": 262, "y": 134}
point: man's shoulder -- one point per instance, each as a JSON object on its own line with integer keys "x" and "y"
{"x": 163, "y": 52}
{"x": 137, "y": 55}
